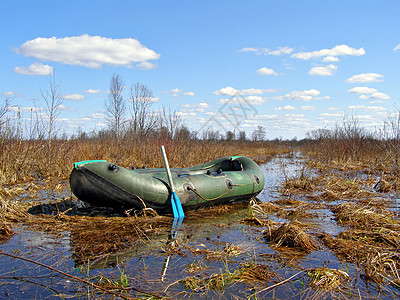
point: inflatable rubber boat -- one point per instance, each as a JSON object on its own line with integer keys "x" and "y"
{"x": 224, "y": 180}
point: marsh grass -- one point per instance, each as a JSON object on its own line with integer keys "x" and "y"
{"x": 252, "y": 274}
{"x": 327, "y": 278}
{"x": 5, "y": 231}
{"x": 381, "y": 237}
{"x": 13, "y": 211}
{"x": 291, "y": 235}
{"x": 353, "y": 214}
{"x": 376, "y": 252}
{"x": 227, "y": 251}
{"x": 27, "y": 160}
{"x": 302, "y": 182}
{"x": 383, "y": 267}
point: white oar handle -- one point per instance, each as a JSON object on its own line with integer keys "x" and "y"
{"x": 171, "y": 183}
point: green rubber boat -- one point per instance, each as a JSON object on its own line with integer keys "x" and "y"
{"x": 221, "y": 181}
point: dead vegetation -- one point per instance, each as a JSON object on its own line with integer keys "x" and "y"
{"x": 327, "y": 279}
{"x": 291, "y": 235}
{"x": 363, "y": 215}
{"x": 5, "y": 231}
{"x": 303, "y": 182}
{"x": 249, "y": 273}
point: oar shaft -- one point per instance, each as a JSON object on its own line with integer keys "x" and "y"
{"x": 171, "y": 183}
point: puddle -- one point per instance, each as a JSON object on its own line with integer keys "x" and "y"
{"x": 208, "y": 245}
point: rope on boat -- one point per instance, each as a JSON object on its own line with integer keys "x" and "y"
{"x": 220, "y": 196}
{"x": 255, "y": 179}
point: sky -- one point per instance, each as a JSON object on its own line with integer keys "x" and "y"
{"x": 289, "y": 66}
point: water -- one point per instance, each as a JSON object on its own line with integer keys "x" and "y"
{"x": 205, "y": 248}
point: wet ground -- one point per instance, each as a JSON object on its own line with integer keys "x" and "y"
{"x": 213, "y": 254}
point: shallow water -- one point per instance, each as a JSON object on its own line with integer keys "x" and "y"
{"x": 152, "y": 269}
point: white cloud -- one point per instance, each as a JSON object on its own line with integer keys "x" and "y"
{"x": 252, "y": 99}
{"x": 323, "y": 71}
{"x": 376, "y": 101}
{"x": 64, "y": 108}
{"x": 199, "y": 106}
{"x": 305, "y": 95}
{"x": 88, "y": 51}
{"x": 330, "y": 59}
{"x": 369, "y": 93}
{"x": 230, "y": 91}
{"x": 34, "y": 69}
{"x": 366, "y": 108}
{"x": 365, "y": 77}
{"x": 322, "y": 98}
{"x": 376, "y": 95}
{"x": 332, "y": 115}
{"x": 266, "y": 71}
{"x": 95, "y": 116}
{"x": 396, "y": 48}
{"x": 255, "y": 100}
{"x": 281, "y": 51}
{"x": 8, "y": 94}
{"x": 250, "y": 49}
{"x": 146, "y": 65}
{"x": 287, "y": 107}
{"x": 73, "y": 97}
{"x": 329, "y": 54}
{"x": 92, "y": 91}
{"x": 266, "y": 51}
{"x": 179, "y": 93}
{"x": 362, "y": 90}
{"x": 308, "y": 108}
{"x": 227, "y": 91}
{"x": 185, "y": 114}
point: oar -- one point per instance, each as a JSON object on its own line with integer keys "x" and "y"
{"x": 176, "y": 226}
{"x": 175, "y": 201}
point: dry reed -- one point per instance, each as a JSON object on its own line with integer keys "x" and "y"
{"x": 291, "y": 235}
{"x": 356, "y": 215}
{"x": 327, "y": 279}
{"x": 29, "y": 160}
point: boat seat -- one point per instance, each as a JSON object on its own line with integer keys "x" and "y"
{"x": 231, "y": 165}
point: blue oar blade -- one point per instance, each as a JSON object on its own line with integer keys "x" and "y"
{"x": 174, "y": 208}
{"x": 176, "y": 203}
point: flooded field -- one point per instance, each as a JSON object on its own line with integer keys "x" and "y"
{"x": 311, "y": 235}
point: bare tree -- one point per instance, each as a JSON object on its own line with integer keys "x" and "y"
{"x": 5, "y": 107}
{"x": 258, "y": 134}
{"x": 171, "y": 120}
{"x": 242, "y": 135}
{"x": 143, "y": 119}
{"x": 53, "y": 100}
{"x": 230, "y": 135}
{"x": 115, "y": 105}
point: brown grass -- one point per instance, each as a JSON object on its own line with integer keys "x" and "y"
{"x": 5, "y": 231}
{"x": 363, "y": 215}
{"x": 291, "y": 235}
{"x": 327, "y": 279}
{"x": 23, "y": 161}
{"x": 253, "y": 273}
{"x": 376, "y": 252}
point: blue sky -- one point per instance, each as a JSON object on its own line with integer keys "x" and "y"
{"x": 290, "y": 66}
